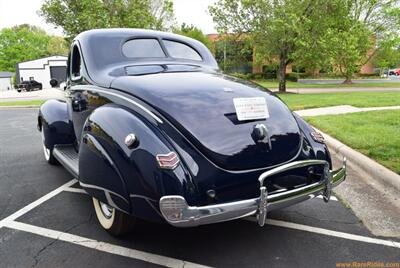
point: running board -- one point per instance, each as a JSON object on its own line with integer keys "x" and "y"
{"x": 68, "y": 157}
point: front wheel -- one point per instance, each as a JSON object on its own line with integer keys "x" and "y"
{"x": 112, "y": 220}
{"x": 48, "y": 152}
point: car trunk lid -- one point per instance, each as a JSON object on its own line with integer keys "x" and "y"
{"x": 201, "y": 106}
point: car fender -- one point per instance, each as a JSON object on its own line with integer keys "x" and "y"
{"x": 320, "y": 150}
{"x": 54, "y": 121}
{"x": 127, "y": 178}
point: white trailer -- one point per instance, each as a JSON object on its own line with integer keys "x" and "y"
{"x": 5, "y": 81}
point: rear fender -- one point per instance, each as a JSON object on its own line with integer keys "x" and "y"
{"x": 129, "y": 176}
{"x": 54, "y": 121}
{"x": 320, "y": 151}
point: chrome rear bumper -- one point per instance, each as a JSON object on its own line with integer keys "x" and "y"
{"x": 178, "y": 213}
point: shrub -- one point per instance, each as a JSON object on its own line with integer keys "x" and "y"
{"x": 291, "y": 77}
{"x": 241, "y": 75}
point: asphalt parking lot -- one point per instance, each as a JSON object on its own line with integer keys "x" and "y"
{"x": 47, "y": 221}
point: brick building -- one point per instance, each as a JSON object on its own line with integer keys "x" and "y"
{"x": 367, "y": 68}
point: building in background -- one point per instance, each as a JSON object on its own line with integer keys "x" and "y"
{"x": 43, "y": 70}
{"x": 6, "y": 81}
{"x": 234, "y": 55}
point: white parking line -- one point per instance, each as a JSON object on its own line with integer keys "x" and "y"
{"x": 149, "y": 257}
{"x": 36, "y": 203}
{"x": 102, "y": 246}
{"x": 327, "y": 232}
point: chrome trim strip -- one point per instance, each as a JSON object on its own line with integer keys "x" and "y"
{"x": 177, "y": 212}
{"x": 84, "y": 185}
{"x": 110, "y": 201}
{"x": 94, "y": 88}
{"x": 143, "y": 197}
{"x": 149, "y": 201}
{"x": 155, "y": 209}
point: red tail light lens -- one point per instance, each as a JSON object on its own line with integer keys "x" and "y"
{"x": 168, "y": 161}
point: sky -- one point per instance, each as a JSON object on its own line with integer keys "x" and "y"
{"x": 15, "y": 12}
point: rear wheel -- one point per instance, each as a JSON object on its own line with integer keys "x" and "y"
{"x": 48, "y": 152}
{"x": 112, "y": 220}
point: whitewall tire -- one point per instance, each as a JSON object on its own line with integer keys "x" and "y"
{"x": 48, "y": 153}
{"x": 112, "y": 220}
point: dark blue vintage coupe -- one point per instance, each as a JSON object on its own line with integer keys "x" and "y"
{"x": 153, "y": 130}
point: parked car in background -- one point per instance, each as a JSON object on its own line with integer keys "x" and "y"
{"x": 29, "y": 85}
{"x": 154, "y": 130}
{"x": 394, "y": 72}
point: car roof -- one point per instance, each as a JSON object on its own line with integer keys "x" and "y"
{"x": 102, "y": 52}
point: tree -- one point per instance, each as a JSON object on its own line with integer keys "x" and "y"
{"x": 57, "y": 46}
{"x": 388, "y": 55}
{"x": 277, "y": 28}
{"x": 349, "y": 48}
{"x": 234, "y": 53}
{"x": 357, "y": 38}
{"x": 21, "y": 43}
{"x": 163, "y": 14}
{"x": 195, "y": 33}
{"x": 78, "y": 16}
{"x": 340, "y": 33}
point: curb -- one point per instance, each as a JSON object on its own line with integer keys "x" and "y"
{"x": 378, "y": 172}
{"x": 20, "y": 107}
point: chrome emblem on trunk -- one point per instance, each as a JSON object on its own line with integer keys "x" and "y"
{"x": 260, "y": 134}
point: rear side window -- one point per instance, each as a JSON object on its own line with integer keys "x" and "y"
{"x": 75, "y": 63}
{"x": 181, "y": 51}
{"x": 143, "y": 48}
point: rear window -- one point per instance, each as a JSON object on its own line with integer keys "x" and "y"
{"x": 181, "y": 51}
{"x": 143, "y": 48}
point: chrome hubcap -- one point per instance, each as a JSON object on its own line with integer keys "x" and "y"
{"x": 106, "y": 210}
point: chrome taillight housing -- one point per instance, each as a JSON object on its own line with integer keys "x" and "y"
{"x": 317, "y": 137}
{"x": 168, "y": 161}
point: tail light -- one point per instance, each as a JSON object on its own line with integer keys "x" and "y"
{"x": 168, "y": 161}
{"x": 317, "y": 137}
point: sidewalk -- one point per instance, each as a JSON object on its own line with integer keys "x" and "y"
{"x": 332, "y": 90}
{"x": 371, "y": 190}
{"x": 341, "y": 109}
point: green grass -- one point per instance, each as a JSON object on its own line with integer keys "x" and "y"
{"x": 22, "y": 103}
{"x": 358, "y": 99}
{"x": 375, "y": 134}
{"x": 274, "y": 84}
